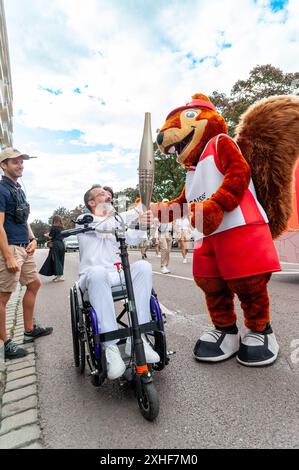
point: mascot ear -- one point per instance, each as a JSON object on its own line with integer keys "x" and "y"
{"x": 200, "y": 96}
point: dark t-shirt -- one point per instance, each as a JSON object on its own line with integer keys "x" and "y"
{"x": 55, "y": 233}
{"x": 16, "y": 233}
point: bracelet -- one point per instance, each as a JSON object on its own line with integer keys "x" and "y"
{"x": 31, "y": 239}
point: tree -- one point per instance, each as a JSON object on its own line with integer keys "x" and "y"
{"x": 263, "y": 81}
{"x": 39, "y": 228}
{"x": 74, "y": 214}
{"x": 169, "y": 177}
{"x": 126, "y": 197}
{"x": 65, "y": 214}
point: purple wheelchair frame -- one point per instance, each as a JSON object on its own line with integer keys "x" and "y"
{"x": 155, "y": 312}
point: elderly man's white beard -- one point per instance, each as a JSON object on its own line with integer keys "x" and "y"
{"x": 104, "y": 208}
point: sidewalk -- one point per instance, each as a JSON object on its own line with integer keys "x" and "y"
{"x": 19, "y": 419}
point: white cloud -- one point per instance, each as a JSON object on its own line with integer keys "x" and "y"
{"x": 127, "y": 58}
{"x": 53, "y": 181}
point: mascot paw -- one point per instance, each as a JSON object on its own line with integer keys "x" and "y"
{"x": 206, "y": 216}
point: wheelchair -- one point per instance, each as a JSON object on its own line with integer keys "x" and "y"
{"x": 88, "y": 339}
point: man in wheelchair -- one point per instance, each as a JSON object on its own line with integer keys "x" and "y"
{"x": 99, "y": 253}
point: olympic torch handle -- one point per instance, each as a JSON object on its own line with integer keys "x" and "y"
{"x": 146, "y": 164}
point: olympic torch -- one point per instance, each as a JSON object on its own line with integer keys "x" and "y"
{"x": 146, "y": 164}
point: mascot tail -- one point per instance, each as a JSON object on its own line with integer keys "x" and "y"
{"x": 268, "y": 136}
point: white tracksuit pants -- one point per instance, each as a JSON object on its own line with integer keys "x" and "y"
{"x": 98, "y": 282}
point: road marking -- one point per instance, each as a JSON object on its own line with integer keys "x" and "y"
{"x": 286, "y": 272}
{"x": 166, "y": 310}
{"x": 293, "y": 271}
{"x": 174, "y": 275}
{"x": 191, "y": 278}
{"x": 172, "y": 255}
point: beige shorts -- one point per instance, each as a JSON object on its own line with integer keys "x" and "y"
{"x": 184, "y": 235}
{"x": 27, "y": 274}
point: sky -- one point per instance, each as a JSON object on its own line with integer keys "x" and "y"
{"x": 85, "y": 72}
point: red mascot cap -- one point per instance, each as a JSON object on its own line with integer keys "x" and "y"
{"x": 195, "y": 103}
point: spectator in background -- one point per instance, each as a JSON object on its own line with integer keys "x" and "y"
{"x": 183, "y": 233}
{"x": 144, "y": 246}
{"x": 110, "y": 191}
{"x": 165, "y": 242}
{"x": 155, "y": 236}
{"x": 17, "y": 247}
{"x": 54, "y": 264}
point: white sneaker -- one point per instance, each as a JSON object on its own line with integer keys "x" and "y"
{"x": 164, "y": 270}
{"x": 58, "y": 279}
{"x": 258, "y": 349}
{"x": 115, "y": 365}
{"x": 216, "y": 346}
{"x": 151, "y": 356}
{"x": 159, "y": 255}
{"x": 184, "y": 260}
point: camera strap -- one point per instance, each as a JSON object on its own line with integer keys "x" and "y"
{"x": 19, "y": 199}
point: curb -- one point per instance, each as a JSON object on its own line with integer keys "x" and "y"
{"x": 19, "y": 416}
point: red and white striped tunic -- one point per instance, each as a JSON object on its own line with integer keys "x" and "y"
{"x": 203, "y": 181}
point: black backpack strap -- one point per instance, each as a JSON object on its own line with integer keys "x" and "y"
{"x": 22, "y": 207}
{"x": 14, "y": 192}
{"x": 10, "y": 189}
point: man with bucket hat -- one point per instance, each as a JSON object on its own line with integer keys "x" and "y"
{"x": 17, "y": 246}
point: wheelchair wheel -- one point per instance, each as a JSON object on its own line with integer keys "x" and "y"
{"x": 148, "y": 400}
{"x": 81, "y": 356}
{"x": 161, "y": 349}
{"x": 74, "y": 321}
{"x": 96, "y": 364}
{"x": 77, "y": 325}
{"x": 158, "y": 340}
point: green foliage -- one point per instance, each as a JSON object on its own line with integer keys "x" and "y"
{"x": 263, "y": 81}
{"x": 124, "y": 198}
{"x": 67, "y": 215}
{"x": 169, "y": 177}
{"x": 39, "y": 228}
{"x": 74, "y": 213}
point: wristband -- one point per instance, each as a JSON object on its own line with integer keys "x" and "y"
{"x": 31, "y": 239}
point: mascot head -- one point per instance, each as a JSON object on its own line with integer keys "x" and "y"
{"x": 188, "y": 128}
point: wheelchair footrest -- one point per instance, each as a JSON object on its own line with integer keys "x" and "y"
{"x": 125, "y": 332}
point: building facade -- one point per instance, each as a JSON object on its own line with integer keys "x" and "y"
{"x": 6, "y": 97}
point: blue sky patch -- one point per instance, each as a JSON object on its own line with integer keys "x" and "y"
{"x": 277, "y": 5}
{"x": 196, "y": 60}
{"x": 52, "y": 91}
{"x": 55, "y": 141}
{"x": 226, "y": 45}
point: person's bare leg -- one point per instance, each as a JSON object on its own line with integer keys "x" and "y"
{"x": 29, "y": 303}
{"x": 180, "y": 244}
{"x": 157, "y": 248}
{"x": 4, "y": 298}
{"x": 184, "y": 248}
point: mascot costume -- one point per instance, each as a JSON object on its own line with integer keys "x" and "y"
{"x": 239, "y": 194}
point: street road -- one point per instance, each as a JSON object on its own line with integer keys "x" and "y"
{"x": 223, "y": 405}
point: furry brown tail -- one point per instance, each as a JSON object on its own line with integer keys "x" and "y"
{"x": 268, "y": 135}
